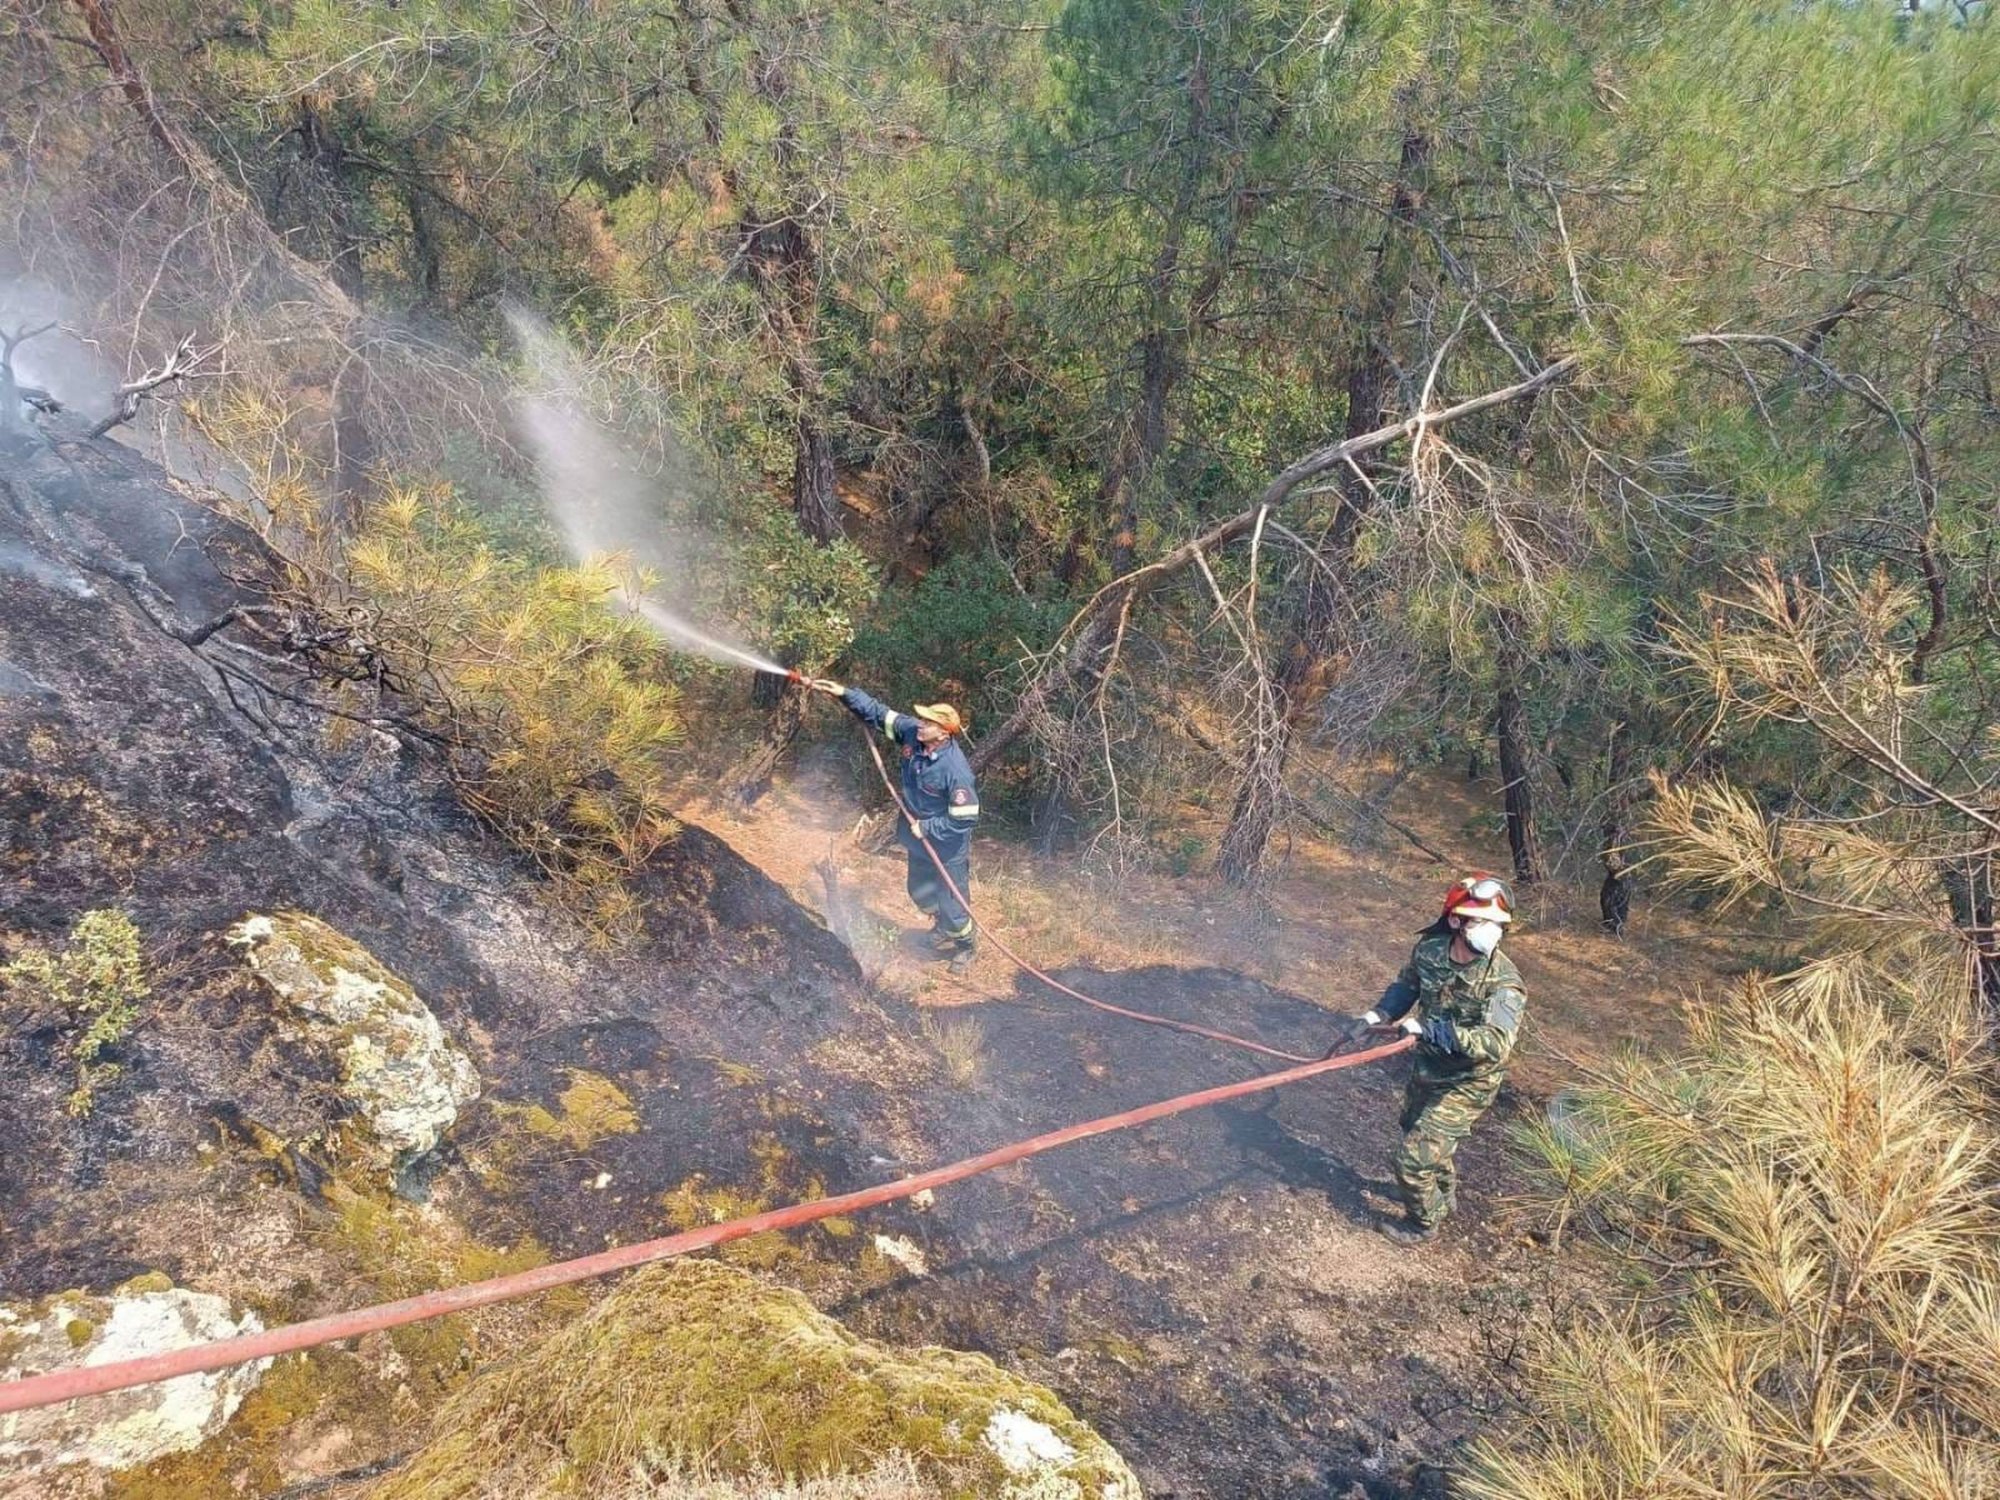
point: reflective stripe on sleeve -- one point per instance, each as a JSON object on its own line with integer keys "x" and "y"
{"x": 968, "y": 810}
{"x": 888, "y": 724}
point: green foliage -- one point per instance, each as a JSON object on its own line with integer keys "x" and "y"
{"x": 1061, "y": 282}
{"x": 961, "y": 628}
{"x": 801, "y": 599}
{"x": 553, "y": 701}
{"x": 99, "y": 980}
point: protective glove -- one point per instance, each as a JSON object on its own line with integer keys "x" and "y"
{"x": 1355, "y": 1030}
{"x": 1410, "y": 1026}
{"x": 1350, "y": 1030}
{"x": 1441, "y": 1034}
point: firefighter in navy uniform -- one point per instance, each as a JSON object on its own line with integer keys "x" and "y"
{"x": 943, "y": 801}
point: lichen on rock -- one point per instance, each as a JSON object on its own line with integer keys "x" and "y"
{"x": 699, "y": 1360}
{"x": 116, "y": 1431}
{"x": 406, "y": 1080}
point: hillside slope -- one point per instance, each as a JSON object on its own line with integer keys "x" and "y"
{"x": 1206, "y": 1292}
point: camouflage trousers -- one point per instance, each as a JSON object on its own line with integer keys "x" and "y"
{"x": 1438, "y": 1113}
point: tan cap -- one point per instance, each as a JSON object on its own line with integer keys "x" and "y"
{"x": 941, "y": 714}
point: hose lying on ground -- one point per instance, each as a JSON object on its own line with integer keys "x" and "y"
{"x": 1057, "y": 985}
{"x": 91, "y": 1380}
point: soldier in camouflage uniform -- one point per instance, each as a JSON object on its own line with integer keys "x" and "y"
{"x": 1463, "y": 1001}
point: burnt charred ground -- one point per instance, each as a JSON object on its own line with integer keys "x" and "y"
{"x": 1207, "y": 1290}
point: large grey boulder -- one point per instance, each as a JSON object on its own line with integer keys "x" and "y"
{"x": 405, "y": 1079}
{"x": 124, "y": 1428}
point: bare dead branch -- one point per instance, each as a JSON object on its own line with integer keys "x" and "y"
{"x": 183, "y": 364}
{"x": 1089, "y": 630}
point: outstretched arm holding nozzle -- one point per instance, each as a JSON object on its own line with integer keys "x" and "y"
{"x": 898, "y": 729}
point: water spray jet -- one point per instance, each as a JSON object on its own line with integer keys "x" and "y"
{"x": 606, "y": 502}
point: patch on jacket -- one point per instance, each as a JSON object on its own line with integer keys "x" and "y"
{"x": 960, "y": 796}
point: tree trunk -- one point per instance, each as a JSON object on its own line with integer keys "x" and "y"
{"x": 783, "y": 260}
{"x": 1162, "y": 354}
{"x": 1260, "y": 791}
{"x": 814, "y": 499}
{"x": 1968, "y": 886}
{"x": 1511, "y": 730}
{"x": 104, "y": 40}
{"x": 1260, "y": 795}
{"x": 1614, "y": 896}
{"x": 200, "y": 170}
{"x": 751, "y": 777}
{"x": 331, "y": 201}
{"x": 426, "y": 255}
{"x": 1302, "y": 676}
{"x": 1142, "y": 433}
{"x": 786, "y": 270}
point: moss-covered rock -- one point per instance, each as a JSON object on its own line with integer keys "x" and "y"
{"x": 697, "y": 1359}
{"x": 404, "y": 1077}
{"x": 148, "y": 1315}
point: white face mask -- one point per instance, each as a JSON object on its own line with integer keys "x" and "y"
{"x": 1482, "y": 936}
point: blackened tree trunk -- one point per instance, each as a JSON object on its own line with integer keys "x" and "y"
{"x": 1511, "y": 730}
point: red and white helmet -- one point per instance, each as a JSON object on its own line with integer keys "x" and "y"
{"x": 1480, "y": 897}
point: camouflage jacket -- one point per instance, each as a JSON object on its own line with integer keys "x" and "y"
{"x": 1484, "y": 1000}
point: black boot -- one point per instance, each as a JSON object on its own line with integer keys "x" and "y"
{"x": 1406, "y": 1231}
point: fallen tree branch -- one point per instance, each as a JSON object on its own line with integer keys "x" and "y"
{"x": 185, "y": 362}
{"x": 1089, "y": 630}
{"x": 1304, "y": 808}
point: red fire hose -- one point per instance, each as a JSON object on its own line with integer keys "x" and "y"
{"x": 91, "y": 1380}
{"x": 1027, "y": 968}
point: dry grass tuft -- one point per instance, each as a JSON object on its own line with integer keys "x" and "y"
{"x": 1806, "y": 1198}
{"x": 960, "y": 1043}
{"x": 894, "y": 1478}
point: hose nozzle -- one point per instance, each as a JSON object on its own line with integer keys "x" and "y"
{"x": 793, "y": 674}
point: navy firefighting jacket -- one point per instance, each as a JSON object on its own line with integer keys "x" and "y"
{"x": 937, "y": 784}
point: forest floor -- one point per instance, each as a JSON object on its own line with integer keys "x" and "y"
{"x": 1331, "y": 922}
{"x": 1211, "y": 1294}
{"x": 1207, "y": 1291}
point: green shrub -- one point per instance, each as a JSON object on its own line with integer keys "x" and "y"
{"x": 553, "y": 703}
{"x": 99, "y": 981}
{"x": 799, "y": 598}
{"x": 961, "y": 630}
